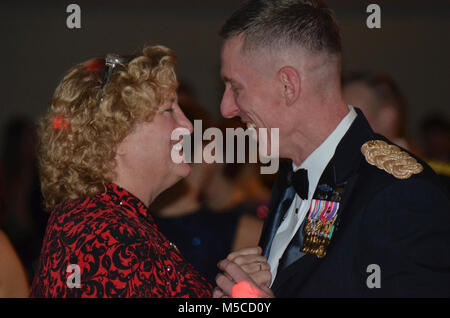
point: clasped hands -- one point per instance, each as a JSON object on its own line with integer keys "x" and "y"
{"x": 246, "y": 274}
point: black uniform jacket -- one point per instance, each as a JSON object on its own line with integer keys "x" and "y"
{"x": 392, "y": 237}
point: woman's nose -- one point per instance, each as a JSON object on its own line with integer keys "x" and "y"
{"x": 184, "y": 122}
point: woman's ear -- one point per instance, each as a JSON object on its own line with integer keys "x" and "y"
{"x": 290, "y": 84}
{"x": 121, "y": 148}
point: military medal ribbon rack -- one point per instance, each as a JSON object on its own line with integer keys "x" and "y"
{"x": 320, "y": 225}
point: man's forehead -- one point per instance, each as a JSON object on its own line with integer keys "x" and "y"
{"x": 234, "y": 43}
{"x": 232, "y": 49}
{"x": 237, "y": 62}
{"x": 232, "y": 58}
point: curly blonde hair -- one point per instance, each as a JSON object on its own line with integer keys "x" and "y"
{"x": 86, "y": 122}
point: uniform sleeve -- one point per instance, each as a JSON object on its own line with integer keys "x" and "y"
{"x": 408, "y": 236}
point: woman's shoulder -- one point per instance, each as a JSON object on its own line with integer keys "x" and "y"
{"x": 91, "y": 235}
{"x": 108, "y": 244}
{"x": 94, "y": 216}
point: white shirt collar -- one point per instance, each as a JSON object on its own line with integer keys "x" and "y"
{"x": 317, "y": 161}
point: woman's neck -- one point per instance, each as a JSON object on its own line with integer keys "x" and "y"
{"x": 142, "y": 191}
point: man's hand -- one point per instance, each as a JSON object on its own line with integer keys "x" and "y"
{"x": 236, "y": 283}
{"x": 253, "y": 263}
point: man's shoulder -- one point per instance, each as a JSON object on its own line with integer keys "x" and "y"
{"x": 402, "y": 170}
{"x": 386, "y": 196}
{"x": 379, "y": 196}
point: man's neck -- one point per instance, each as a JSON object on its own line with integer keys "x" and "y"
{"x": 309, "y": 137}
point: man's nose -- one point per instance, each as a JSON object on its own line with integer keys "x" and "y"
{"x": 228, "y": 106}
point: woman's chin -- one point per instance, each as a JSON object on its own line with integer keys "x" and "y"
{"x": 176, "y": 173}
{"x": 181, "y": 171}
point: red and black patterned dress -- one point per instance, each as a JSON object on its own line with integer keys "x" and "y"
{"x": 119, "y": 250}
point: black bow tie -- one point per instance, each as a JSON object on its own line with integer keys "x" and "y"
{"x": 299, "y": 180}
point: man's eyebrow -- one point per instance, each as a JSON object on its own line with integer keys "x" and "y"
{"x": 229, "y": 80}
{"x": 226, "y": 79}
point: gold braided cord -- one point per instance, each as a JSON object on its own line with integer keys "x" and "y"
{"x": 391, "y": 159}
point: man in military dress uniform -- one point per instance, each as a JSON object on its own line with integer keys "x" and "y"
{"x": 351, "y": 215}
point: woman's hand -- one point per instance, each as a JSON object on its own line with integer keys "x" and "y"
{"x": 253, "y": 263}
{"x": 236, "y": 283}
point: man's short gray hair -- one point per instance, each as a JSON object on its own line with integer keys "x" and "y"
{"x": 279, "y": 24}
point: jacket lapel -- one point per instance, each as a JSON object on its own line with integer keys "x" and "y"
{"x": 275, "y": 211}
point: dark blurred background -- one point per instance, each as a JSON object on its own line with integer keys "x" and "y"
{"x": 412, "y": 47}
{"x": 37, "y": 48}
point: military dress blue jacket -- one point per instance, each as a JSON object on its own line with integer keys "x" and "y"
{"x": 398, "y": 229}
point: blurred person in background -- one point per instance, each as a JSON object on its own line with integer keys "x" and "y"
{"x": 435, "y": 131}
{"x": 384, "y": 106}
{"x": 23, "y": 218}
{"x": 236, "y": 183}
{"x": 213, "y": 211}
{"x": 435, "y": 137}
{"x": 382, "y": 103}
{"x": 13, "y": 279}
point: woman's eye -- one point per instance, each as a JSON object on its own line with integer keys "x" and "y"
{"x": 169, "y": 110}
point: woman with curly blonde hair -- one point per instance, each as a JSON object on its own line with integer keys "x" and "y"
{"x": 105, "y": 148}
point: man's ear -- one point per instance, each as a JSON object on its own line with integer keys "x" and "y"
{"x": 290, "y": 84}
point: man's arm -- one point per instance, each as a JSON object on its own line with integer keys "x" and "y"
{"x": 407, "y": 233}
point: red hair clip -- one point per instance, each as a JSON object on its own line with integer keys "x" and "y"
{"x": 95, "y": 65}
{"x": 60, "y": 123}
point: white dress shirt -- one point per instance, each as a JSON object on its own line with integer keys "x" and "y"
{"x": 315, "y": 164}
